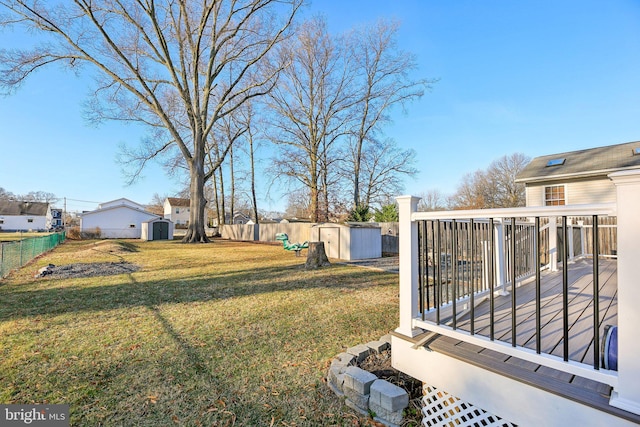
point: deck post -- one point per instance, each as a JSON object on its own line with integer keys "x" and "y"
{"x": 408, "y": 246}
{"x": 627, "y": 393}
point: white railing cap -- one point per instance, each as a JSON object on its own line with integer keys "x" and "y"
{"x": 601, "y": 209}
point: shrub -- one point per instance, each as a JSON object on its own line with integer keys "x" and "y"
{"x": 91, "y": 234}
{"x": 73, "y": 233}
{"x": 360, "y": 213}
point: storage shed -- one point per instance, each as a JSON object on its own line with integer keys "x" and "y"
{"x": 349, "y": 241}
{"x": 157, "y": 229}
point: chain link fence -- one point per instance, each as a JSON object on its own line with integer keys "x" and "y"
{"x": 16, "y": 254}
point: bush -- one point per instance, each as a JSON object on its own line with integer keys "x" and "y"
{"x": 360, "y": 213}
{"x": 73, "y": 233}
{"x": 388, "y": 213}
{"x": 91, "y": 234}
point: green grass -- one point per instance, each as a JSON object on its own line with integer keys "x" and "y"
{"x": 6, "y": 236}
{"x": 215, "y": 334}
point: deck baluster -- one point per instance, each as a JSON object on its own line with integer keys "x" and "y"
{"x": 596, "y": 296}
{"x": 565, "y": 289}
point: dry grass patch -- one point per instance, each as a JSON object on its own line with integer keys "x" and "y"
{"x": 216, "y": 334}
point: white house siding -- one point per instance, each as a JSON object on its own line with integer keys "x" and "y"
{"x": 21, "y": 222}
{"x": 120, "y": 202}
{"x": 179, "y": 215}
{"x": 117, "y": 222}
{"x": 595, "y": 190}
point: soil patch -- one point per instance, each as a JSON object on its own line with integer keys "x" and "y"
{"x": 70, "y": 271}
{"x": 108, "y": 246}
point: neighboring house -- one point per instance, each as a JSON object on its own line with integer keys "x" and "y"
{"x": 177, "y": 210}
{"x": 16, "y": 215}
{"x": 577, "y": 177}
{"x": 238, "y": 218}
{"x": 119, "y": 218}
{"x": 56, "y": 218}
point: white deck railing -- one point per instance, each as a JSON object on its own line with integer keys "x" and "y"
{"x": 413, "y": 248}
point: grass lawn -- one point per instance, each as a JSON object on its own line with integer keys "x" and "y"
{"x": 226, "y": 333}
{"x": 6, "y": 236}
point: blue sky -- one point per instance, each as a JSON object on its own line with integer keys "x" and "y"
{"x": 537, "y": 77}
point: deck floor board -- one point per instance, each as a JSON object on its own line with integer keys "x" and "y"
{"x": 580, "y": 313}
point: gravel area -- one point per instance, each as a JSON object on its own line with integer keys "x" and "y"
{"x": 90, "y": 269}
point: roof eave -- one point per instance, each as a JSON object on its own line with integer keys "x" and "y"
{"x": 588, "y": 174}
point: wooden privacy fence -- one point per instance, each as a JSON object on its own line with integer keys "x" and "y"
{"x": 300, "y": 232}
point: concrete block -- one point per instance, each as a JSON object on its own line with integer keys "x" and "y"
{"x": 386, "y": 338}
{"x": 360, "y": 401}
{"x": 364, "y": 410}
{"x": 388, "y": 396}
{"x": 378, "y": 346}
{"x": 344, "y": 359}
{"x": 358, "y": 380}
{"x": 360, "y": 351}
{"x": 335, "y": 379}
{"x": 382, "y": 415}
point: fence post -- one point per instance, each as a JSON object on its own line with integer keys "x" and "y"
{"x": 408, "y": 248}
{"x": 626, "y": 395}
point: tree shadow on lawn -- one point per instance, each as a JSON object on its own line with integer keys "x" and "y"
{"x": 207, "y": 381}
{"x": 20, "y": 303}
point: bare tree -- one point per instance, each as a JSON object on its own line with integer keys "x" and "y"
{"x": 248, "y": 116}
{"x": 432, "y": 200}
{"x": 383, "y": 167}
{"x": 503, "y": 173}
{"x": 309, "y": 107}
{"x": 156, "y": 205}
{"x": 38, "y": 196}
{"x": 298, "y": 204}
{"x": 494, "y": 187}
{"x": 6, "y": 195}
{"x": 383, "y": 81}
{"x": 176, "y": 66}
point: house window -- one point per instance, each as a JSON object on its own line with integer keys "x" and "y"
{"x": 554, "y": 195}
{"x": 132, "y": 226}
{"x": 1, "y": 221}
{"x": 177, "y": 210}
{"x": 29, "y": 219}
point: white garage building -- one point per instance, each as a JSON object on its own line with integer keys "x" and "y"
{"x": 118, "y": 219}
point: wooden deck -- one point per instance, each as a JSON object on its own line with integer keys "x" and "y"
{"x": 580, "y": 313}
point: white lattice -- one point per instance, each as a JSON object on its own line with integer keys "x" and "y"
{"x": 440, "y": 409}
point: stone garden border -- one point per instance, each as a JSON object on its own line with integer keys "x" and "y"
{"x": 362, "y": 390}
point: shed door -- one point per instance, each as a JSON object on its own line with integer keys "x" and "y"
{"x": 160, "y": 231}
{"x": 331, "y": 238}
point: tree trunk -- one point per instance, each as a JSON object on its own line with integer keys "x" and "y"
{"x": 316, "y": 256}
{"x": 223, "y": 209}
{"x": 253, "y": 182}
{"x": 232, "y": 202}
{"x": 195, "y": 232}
